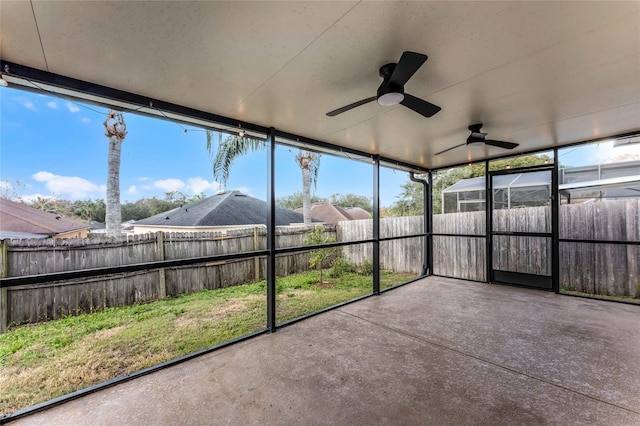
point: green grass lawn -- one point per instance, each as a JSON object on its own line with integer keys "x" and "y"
{"x": 43, "y": 361}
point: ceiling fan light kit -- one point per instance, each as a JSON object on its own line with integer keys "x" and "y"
{"x": 391, "y": 98}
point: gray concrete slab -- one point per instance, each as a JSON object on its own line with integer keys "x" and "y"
{"x": 438, "y": 351}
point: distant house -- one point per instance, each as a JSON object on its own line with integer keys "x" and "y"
{"x": 332, "y": 214}
{"x": 227, "y": 210}
{"x": 18, "y": 220}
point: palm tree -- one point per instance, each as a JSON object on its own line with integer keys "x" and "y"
{"x": 309, "y": 163}
{"x": 235, "y": 146}
{"x": 87, "y": 210}
{"x": 116, "y": 131}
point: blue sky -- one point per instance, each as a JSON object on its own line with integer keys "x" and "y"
{"x": 55, "y": 147}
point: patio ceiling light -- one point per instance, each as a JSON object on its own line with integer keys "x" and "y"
{"x": 391, "y": 98}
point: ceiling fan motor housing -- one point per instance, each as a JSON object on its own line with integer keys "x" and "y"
{"x": 476, "y": 135}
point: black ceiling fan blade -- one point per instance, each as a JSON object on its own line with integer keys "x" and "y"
{"x": 449, "y": 149}
{"x": 407, "y": 66}
{"x": 501, "y": 144}
{"x": 420, "y": 106}
{"x": 350, "y": 106}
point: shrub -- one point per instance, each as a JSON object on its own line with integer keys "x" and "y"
{"x": 366, "y": 268}
{"x": 323, "y": 257}
{"x": 340, "y": 267}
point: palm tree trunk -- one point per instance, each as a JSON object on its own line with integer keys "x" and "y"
{"x": 306, "y": 196}
{"x": 116, "y": 132}
{"x": 113, "y": 217}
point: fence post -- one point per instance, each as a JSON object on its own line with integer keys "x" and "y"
{"x": 4, "y": 292}
{"x": 162, "y": 283}
{"x": 4, "y": 309}
{"x": 256, "y": 260}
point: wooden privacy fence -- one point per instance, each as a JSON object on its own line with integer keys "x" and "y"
{"x": 403, "y": 255}
{"x": 52, "y": 300}
{"x": 604, "y": 269}
{"x": 593, "y": 268}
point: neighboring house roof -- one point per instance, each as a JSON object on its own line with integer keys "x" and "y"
{"x": 224, "y": 209}
{"x": 11, "y": 235}
{"x": 24, "y": 219}
{"x": 332, "y": 214}
{"x": 357, "y": 213}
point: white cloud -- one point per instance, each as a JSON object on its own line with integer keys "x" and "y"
{"x": 169, "y": 184}
{"x": 133, "y": 190}
{"x": 52, "y": 105}
{"x": 71, "y": 107}
{"x": 73, "y": 186}
{"x": 85, "y": 120}
{"x": 198, "y": 185}
{"x": 194, "y": 185}
{"x": 29, "y": 105}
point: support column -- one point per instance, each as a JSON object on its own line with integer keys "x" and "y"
{"x": 271, "y": 230}
{"x": 488, "y": 204}
{"x": 555, "y": 224}
{"x": 376, "y": 224}
{"x": 426, "y": 217}
{"x": 429, "y": 228}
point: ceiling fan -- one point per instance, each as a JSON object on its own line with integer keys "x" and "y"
{"x": 478, "y": 137}
{"x": 391, "y": 91}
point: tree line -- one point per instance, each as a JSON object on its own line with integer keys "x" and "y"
{"x": 95, "y": 210}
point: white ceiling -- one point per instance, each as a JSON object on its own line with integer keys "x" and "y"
{"x": 541, "y": 74}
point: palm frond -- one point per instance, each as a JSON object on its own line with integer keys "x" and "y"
{"x": 228, "y": 150}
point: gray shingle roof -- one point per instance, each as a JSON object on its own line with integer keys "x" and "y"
{"x": 225, "y": 209}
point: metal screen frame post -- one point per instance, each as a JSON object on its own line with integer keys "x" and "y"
{"x": 488, "y": 205}
{"x": 429, "y": 224}
{"x": 555, "y": 224}
{"x": 271, "y": 231}
{"x": 376, "y": 224}
{"x": 426, "y": 216}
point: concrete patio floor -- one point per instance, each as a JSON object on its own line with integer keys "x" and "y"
{"x": 437, "y": 351}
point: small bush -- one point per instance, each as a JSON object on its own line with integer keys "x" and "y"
{"x": 340, "y": 267}
{"x": 366, "y": 268}
{"x": 323, "y": 257}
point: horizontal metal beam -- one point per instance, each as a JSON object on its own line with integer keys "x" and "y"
{"x": 108, "y": 93}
